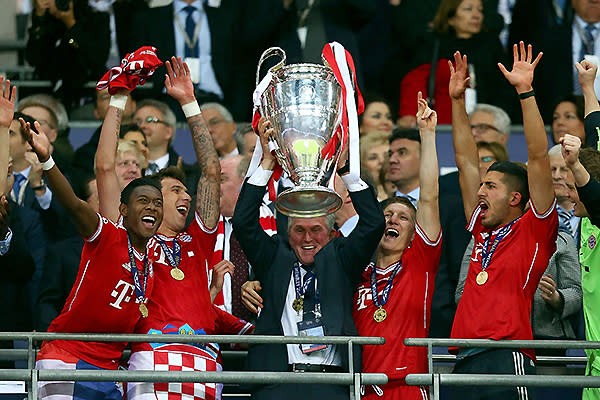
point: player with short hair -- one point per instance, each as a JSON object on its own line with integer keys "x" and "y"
{"x": 393, "y": 299}
{"x": 114, "y": 281}
{"x": 512, "y": 245}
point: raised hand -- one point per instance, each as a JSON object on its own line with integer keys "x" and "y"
{"x": 459, "y": 81}
{"x": 39, "y": 142}
{"x": 426, "y": 117}
{"x": 586, "y": 73}
{"x": 264, "y": 132}
{"x": 570, "y": 148}
{"x": 521, "y": 75}
{"x": 178, "y": 81}
{"x": 7, "y": 102}
{"x": 36, "y": 172}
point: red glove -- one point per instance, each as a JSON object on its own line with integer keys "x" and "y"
{"x": 135, "y": 68}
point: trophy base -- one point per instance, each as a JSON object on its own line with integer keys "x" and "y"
{"x": 308, "y": 202}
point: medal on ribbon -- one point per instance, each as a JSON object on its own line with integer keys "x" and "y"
{"x": 298, "y": 303}
{"x": 488, "y": 251}
{"x": 381, "y": 314}
{"x": 173, "y": 257}
{"x": 140, "y": 290}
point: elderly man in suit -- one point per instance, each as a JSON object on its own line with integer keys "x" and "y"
{"x": 307, "y": 281}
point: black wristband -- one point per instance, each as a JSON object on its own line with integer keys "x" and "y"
{"x": 526, "y": 95}
{"x": 343, "y": 170}
{"x": 41, "y": 187}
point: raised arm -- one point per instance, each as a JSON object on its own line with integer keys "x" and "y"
{"x": 109, "y": 191}
{"x": 82, "y": 213}
{"x": 539, "y": 175}
{"x": 179, "y": 86}
{"x": 465, "y": 149}
{"x": 7, "y": 108}
{"x": 428, "y": 210}
{"x": 570, "y": 151}
{"x": 586, "y": 73}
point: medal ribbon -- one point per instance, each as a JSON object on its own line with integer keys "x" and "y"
{"x": 139, "y": 290}
{"x": 308, "y": 279}
{"x": 388, "y": 286}
{"x": 173, "y": 255}
{"x": 488, "y": 251}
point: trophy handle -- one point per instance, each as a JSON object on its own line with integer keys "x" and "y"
{"x": 272, "y": 51}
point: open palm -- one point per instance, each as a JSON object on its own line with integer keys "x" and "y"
{"x": 178, "y": 81}
{"x": 39, "y": 142}
{"x": 7, "y": 102}
{"x": 458, "y": 76}
{"x": 521, "y": 75}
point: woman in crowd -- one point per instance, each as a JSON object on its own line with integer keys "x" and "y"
{"x": 373, "y": 154}
{"x": 568, "y": 118}
{"x": 489, "y": 153}
{"x": 377, "y": 116}
{"x": 458, "y": 25}
{"x": 134, "y": 133}
{"x": 129, "y": 160}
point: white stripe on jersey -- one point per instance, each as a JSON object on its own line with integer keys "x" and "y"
{"x": 537, "y": 245}
{"x": 79, "y": 286}
{"x": 425, "y": 300}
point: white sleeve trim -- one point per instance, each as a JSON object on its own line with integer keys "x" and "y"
{"x": 202, "y": 226}
{"x": 428, "y": 241}
{"x": 98, "y": 229}
{"x": 260, "y": 177}
{"x": 353, "y": 184}
{"x": 545, "y": 214}
{"x": 474, "y": 216}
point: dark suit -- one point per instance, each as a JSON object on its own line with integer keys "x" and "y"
{"x": 237, "y": 28}
{"x": 338, "y": 266}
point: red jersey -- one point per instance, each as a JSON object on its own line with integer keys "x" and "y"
{"x": 500, "y": 309}
{"x": 185, "y": 304}
{"x": 103, "y": 298}
{"x": 408, "y": 308}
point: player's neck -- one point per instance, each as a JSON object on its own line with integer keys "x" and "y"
{"x": 166, "y": 231}
{"x": 138, "y": 242}
{"x": 384, "y": 260}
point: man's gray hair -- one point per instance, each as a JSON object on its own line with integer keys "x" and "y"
{"x": 54, "y": 107}
{"x": 329, "y": 222}
{"x": 501, "y": 118}
{"x": 240, "y": 134}
{"x": 555, "y": 150}
{"x": 168, "y": 114}
{"x": 220, "y": 108}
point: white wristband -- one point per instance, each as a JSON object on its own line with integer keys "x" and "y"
{"x": 118, "y": 101}
{"x": 191, "y": 109}
{"x": 48, "y": 164}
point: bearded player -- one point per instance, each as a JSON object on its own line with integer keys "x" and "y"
{"x": 512, "y": 246}
{"x": 181, "y": 303}
{"x": 394, "y": 297}
{"x": 113, "y": 284}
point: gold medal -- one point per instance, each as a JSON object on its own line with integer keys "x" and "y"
{"x": 380, "y": 314}
{"x": 143, "y": 310}
{"x": 298, "y": 304}
{"x": 482, "y": 278}
{"x": 177, "y": 274}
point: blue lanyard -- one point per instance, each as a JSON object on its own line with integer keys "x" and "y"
{"x": 388, "y": 286}
{"x": 173, "y": 255}
{"x": 488, "y": 250}
{"x": 308, "y": 279}
{"x": 139, "y": 290}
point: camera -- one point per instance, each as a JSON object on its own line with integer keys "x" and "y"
{"x": 63, "y": 5}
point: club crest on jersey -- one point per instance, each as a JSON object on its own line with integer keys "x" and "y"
{"x": 185, "y": 237}
{"x": 592, "y": 242}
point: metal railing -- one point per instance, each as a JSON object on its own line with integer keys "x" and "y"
{"x": 32, "y": 376}
{"x": 435, "y": 380}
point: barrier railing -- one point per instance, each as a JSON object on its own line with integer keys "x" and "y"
{"x": 30, "y": 375}
{"x": 435, "y": 380}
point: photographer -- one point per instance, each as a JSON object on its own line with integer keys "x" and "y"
{"x": 68, "y": 44}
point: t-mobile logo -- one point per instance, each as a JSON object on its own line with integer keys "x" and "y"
{"x": 123, "y": 295}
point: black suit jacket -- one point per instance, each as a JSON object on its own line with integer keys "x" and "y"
{"x": 338, "y": 267}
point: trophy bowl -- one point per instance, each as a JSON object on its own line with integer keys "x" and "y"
{"x": 303, "y": 103}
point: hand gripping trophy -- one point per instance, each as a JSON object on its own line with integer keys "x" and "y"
{"x": 313, "y": 110}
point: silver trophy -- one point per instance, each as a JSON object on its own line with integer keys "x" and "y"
{"x": 303, "y": 102}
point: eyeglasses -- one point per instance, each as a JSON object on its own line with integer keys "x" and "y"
{"x": 481, "y": 128}
{"x": 150, "y": 120}
{"x": 487, "y": 159}
{"x": 214, "y": 122}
